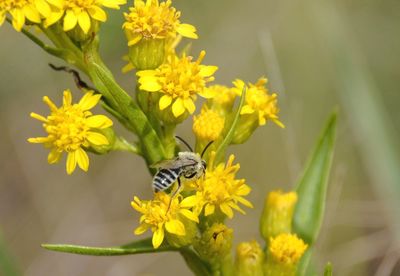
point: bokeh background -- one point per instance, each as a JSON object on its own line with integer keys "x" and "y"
{"x": 318, "y": 55}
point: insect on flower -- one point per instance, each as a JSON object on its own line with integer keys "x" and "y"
{"x": 188, "y": 164}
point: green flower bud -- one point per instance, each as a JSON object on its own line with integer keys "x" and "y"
{"x": 79, "y": 36}
{"x": 147, "y": 53}
{"x": 215, "y": 243}
{"x": 248, "y": 123}
{"x": 277, "y": 215}
{"x": 249, "y": 259}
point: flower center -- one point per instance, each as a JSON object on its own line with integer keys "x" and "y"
{"x": 7, "y": 5}
{"x": 78, "y": 4}
{"x": 67, "y": 128}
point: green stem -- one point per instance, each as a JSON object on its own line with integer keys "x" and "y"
{"x": 169, "y": 140}
{"x": 134, "y": 118}
{"x": 123, "y": 145}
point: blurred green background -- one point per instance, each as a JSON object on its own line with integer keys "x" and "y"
{"x": 318, "y": 55}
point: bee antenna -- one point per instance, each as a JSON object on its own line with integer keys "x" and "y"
{"x": 186, "y": 143}
{"x": 204, "y": 150}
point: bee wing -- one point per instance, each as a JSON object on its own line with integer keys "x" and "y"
{"x": 164, "y": 164}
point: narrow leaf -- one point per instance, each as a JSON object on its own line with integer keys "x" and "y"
{"x": 137, "y": 247}
{"x": 312, "y": 188}
{"x": 194, "y": 262}
{"x": 231, "y": 129}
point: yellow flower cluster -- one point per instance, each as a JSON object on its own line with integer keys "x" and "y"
{"x": 179, "y": 80}
{"x": 161, "y": 214}
{"x": 208, "y": 125}
{"x": 72, "y": 128}
{"x": 287, "y": 249}
{"x": 154, "y": 20}
{"x": 219, "y": 190}
{"x": 259, "y": 102}
{"x": 72, "y": 12}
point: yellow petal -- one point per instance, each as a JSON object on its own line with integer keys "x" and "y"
{"x": 53, "y": 18}
{"x": 50, "y": 104}
{"x": 207, "y": 70}
{"x": 70, "y": 20}
{"x": 97, "y": 13}
{"x": 226, "y": 210}
{"x": 38, "y": 140}
{"x": 209, "y": 209}
{"x": 57, "y": 3}
{"x": 176, "y": 227}
{"x": 190, "y": 215}
{"x": 189, "y": 105}
{"x": 141, "y": 229}
{"x": 246, "y": 110}
{"x": 187, "y": 30}
{"x": 84, "y": 21}
{"x": 18, "y": 19}
{"x": 134, "y": 39}
{"x": 96, "y": 138}
{"x": 112, "y": 4}
{"x": 189, "y": 201}
{"x": 71, "y": 162}
{"x": 38, "y": 117}
{"x": 32, "y": 14}
{"x": 43, "y": 8}
{"x": 127, "y": 68}
{"x": 99, "y": 121}
{"x": 165, "y": 101}
{"x": 244, "y": 201}
{"x": 67, "y": 98}
{"x": 89, "y": 100}
{"x": 207, "y": 93}
{"x": 82, "y": 159}
{"x": 146, "y": 73}
{"x": 178, "y": 107}
{"x": 54, "y": 156}
{"x": 2, "y": 17}
{"x": 158, "y": 237}
{"x": 149, "y": 84}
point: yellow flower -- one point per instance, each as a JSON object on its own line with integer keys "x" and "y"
{"x": 180, "y": 80}
{"x": 219, "y": 189}
{"x": 208, "y": 125}
{"x": 287, "y": 249}
{"x": 22, "y": 10}
{"x": 223, "y": 96}
{"x": 154, "y": 20}
{"x": 157, "y": 217}
{"x": 71, "y": 128}
{"x": 80, "y": 12}
{"x": 259, "y": 101}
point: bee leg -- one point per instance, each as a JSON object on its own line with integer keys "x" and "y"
{"x": 175, "y": 193}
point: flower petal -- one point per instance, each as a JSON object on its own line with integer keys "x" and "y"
{"x": 89, "y": 100}
{"x": 226, "y": 209}
{"x": 176, "y": 227}
{"x": 97, "y": 13}
{"x": 99, "y": 121}
{"x": 84, "y": 21}
{"x": 189, "y": 201}
{"x": 82, "y": 159}
{"x": 246, "y": 110}
{"x": 190, "y": 215}
{"x": 158, "y": 237}
{"x": 54, "y": 156}
{"x": 141, "y": 229}
{"x": 187, "y": 30}
{"x": 96, "y": 138}
{"x": 178, "y": 107}
{"x": 165, "y": 101}
{"x": 71, "y": 162}
{"x": 70, "y": 20}
{"x": 209, "y": 209}
{"x": 208, "y": 70}
{"x": 189, "y": 105}
{"x": 67, "y": 98}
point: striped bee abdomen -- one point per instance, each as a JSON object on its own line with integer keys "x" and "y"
{"x": 164, "y": 178}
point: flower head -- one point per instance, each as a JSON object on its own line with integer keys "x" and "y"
{"x": 259, "y": 102}
{"x": 287, "y": 249}
{"x": 208, "y": 125}
{"x": 249, "y": 259}
{"x": 154, "y": 20}
{"x": 161, "y": 214}
{"x": 223, "y": 96}
{"x": 71, "y": 128}
{"x": 22, "y": 10}
{"x": 180, "y": 80}
{"x": 80, "y": 12}
{"x": 219, "y": 189}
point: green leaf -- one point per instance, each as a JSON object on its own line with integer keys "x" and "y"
{"x": 231, "y": 129}
{"x": 328, "y": 270}
{"x": 312, "y": 188}
{"x": 137, "y": 247}
{"x": 194, "y": 262}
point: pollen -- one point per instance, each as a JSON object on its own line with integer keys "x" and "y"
{"x": 154, "y": 20}
{"x": 71, "y": 128}
{"x": 287, "y": 249}
{"x": 180, "y": 80}
{"x": 208, "y": 125}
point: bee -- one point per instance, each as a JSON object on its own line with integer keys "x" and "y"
{"x": 187, "y": 164}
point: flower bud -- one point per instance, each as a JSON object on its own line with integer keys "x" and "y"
{"x": 284, "y": 253}
{"x": 277, "y": 215}
{"x": 249, "y": 259}
{"x": 103, "y": 149}
{"x": 215, "y": 243}
{"x": 147, "y": 53}
{"x": 79, "y": 36}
